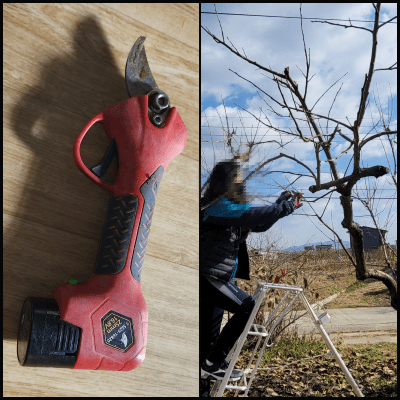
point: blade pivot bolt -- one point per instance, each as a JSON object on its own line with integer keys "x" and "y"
{"x": 159, "y": 102}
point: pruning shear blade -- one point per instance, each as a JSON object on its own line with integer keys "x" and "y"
{"x": 138, "y": 77}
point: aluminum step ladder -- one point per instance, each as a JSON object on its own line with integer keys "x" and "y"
{"x": 293, "y": 293}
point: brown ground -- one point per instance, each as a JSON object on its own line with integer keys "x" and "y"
{"x": 373, "y": 366}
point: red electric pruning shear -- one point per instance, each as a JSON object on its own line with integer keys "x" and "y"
{"x": 299, "y": 197}
{"x": 102, "y": 324}
{"x": 293, "y": 197}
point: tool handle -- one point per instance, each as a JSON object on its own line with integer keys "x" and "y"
{"x": 77, "y": 153}
{"x": 126, "y": 230}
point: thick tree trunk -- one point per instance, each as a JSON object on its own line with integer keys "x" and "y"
{"x": 357, "y": 239}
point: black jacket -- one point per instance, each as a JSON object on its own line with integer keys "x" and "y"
{"x": 223, "y": 239}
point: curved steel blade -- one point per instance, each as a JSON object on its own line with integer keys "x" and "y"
{"x": 138, "y": 77}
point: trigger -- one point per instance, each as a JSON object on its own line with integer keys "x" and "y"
{"x": 101, "y": 168}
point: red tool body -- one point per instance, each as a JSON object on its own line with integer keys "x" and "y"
{"x": 102, "y": 324}
{"x": 299, "y": 197}
{"x": 142, "y": 149}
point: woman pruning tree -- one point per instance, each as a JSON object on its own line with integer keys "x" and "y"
{"x": 226, "y": 220}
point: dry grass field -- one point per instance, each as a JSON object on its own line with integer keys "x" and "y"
{"x": 321, "y": 275}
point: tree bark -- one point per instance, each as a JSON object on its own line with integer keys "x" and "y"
{"x": 356, "y": 234}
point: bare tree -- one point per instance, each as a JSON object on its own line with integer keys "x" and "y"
{"x": 294, "y": 103}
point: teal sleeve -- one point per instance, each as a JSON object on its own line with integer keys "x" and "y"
{"x": 226, "y": 208}
{"x": 236, "y": 265}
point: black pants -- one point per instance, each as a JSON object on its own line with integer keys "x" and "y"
{"x": 215, "y": 297}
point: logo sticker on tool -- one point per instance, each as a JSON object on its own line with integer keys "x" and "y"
{"x": 117, "y": 331}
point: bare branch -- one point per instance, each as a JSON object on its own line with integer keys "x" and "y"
{"x": 368, "y": 79}
{"x": 394, "y": 173}
{"x": 276, "y": 101}
{"x": 338, "y": 237}
{"x": 344, "y": 26}
{"x": 305, "y": 52}
{"x": 294, "y": 108}
{"x": 233, "y": 45}
{"x": 269, "y": 126}
{"x": 343, "y": 152}
{"x": 376, "y": 171}
{"x": 301, "y": 163}
{"x": 318, "y": 198}
{"x": 392, "y": 67}
{"x": 222, "y": 32}
{"x": 323, "y": 116}
{"x": 344, "y": 136}
{"x": 326, "y": 205}
{"x": 289, "y": 172}
{"x": 229, "y": 134}
{"x": 316, "y": 148}
{"x": 243, "y": 57}
{"x": 293, "y": 118}
{"x": 384, "y": 23}
{"x": 328, "y": 90}
{"x": 270, "y": 141}
{"x": 215, "y": 141}
{"x": 365, "y": 141}
{"x": 330, "y": 109}
{"x": 261, "y": 166}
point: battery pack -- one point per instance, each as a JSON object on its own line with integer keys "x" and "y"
{"x": 45, "y": 340}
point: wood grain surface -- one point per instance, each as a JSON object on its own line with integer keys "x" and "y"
{"x": 62, "y": 65}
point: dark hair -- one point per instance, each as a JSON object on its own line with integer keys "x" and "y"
{"x": 221, "y": 183}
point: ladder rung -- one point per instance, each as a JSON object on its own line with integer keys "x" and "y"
{"x": 236, "y": 387}
{"x": 258, "y": 333}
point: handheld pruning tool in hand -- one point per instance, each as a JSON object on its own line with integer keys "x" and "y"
{"x": 297, "y": 197}
{"x": 294, "y": 197}
{"x": 102, "y": 324}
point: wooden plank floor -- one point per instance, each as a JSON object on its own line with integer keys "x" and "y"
{"x": 62, "y": 65}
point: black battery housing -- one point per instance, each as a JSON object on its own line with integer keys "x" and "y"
{"x": 45, "y": 340}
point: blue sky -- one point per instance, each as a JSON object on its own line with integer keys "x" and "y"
{"x": 335, "y": 51}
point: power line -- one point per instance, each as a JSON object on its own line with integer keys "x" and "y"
{"x": 358, "y": 189}
{"x": 283, "y": 144}
{"x": 281, "y": 16}
{"x": 276, "y": 117}
{"x": 334, "y": 198}
{"x": 277, "y": 137}
{"x": 286, "y": 127}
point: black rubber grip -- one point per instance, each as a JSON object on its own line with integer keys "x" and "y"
{"x": 116, "y": 236}
{"x": 149, "y": 192}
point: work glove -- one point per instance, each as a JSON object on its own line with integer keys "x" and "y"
{"x": 286, "y": 195}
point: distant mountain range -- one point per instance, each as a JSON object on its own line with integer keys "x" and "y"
{"x": 300, "y": 248}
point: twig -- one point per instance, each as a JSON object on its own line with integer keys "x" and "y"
{"x": 345, "y": 26}
{"x": 365, "y": 141}
{"x": 328, "y": 90}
